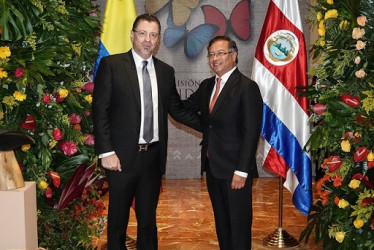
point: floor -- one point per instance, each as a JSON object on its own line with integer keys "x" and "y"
{"x": 185, "y": 219}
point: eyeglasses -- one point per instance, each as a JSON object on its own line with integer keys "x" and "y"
{"x": 143, "y": 34}
{"x": 219, "y": 54}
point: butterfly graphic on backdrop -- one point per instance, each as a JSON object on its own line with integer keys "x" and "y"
{"x": 194, "y": 40}
{"x": 181, "y": 9}
{"x": 238, "y": 22}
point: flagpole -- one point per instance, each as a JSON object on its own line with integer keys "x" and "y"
{"x": 280, "y": 238}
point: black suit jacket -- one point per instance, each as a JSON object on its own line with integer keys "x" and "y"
{"x": 117, "y": 109}
{"x": 231, "y": 131}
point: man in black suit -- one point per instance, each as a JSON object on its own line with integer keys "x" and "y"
{"x": 231, "y": 114}
{"x": 133, "y": 94}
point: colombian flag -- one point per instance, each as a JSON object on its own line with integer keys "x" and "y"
{"x": 117, "y": 24}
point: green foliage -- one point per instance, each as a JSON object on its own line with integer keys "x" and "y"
{"x": 343, "y": 133}
{"x": 47, "y": 52}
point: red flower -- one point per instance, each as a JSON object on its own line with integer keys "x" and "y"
{"x": 58, "y": 98}
{"x": 319, "y": 108}
{"x": 75, "y": 119}
{"x": 336, "y": 200}
{"x": 89, "y": 139}
{"x": 360, "y": 154}
{"x": 89, "y": 86}
{"x": 57, "y": 135}
{"x": 46, "y": 98}
{"x": 68, "y": 147}
{"x": 55, "y": 178}
{"x": 350, "y": 100}
{"x": 370, "y": 164}
{"x": 357, "y": 176}
{"x": 48, "y": 193}
{"x": 19, "y": 72}
{"x": 29, "y": 123}
{"x": 367, "y": 201}
{"x": 332, "y": 163}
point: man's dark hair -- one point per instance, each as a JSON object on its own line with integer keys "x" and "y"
{"x": 146, "y": 17}
{"x": 232, "y": 44}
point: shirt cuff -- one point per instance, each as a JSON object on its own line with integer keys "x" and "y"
{"x": 242, "y": 174}
{"x": 106, "y": 154}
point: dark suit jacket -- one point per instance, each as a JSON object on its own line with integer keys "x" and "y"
{"x": 231, "y": 131}
{"x": 117, "y": 109}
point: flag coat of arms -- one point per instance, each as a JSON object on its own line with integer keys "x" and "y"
{"x": 279, "y": 67}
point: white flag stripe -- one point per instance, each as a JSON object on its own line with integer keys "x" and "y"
{"x": 281, "y": 102}
{"x": 291, "y": 181}
{"x": 291, "y": 11}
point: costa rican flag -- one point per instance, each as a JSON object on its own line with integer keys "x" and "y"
{"x": 279, "y": 67}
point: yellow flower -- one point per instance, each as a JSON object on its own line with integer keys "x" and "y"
{"x": 343, "y": 203}
{"x": 360, "y": 45}
{"x": 4, "y": 52}
{"x": 345, "y": 145}
{"x": 63, "y": 93}
{"x": 88, "y": 98}
{"x": 362, "y": 20}
{"x": 43, "y": 185}
{"x": 330, "y": 1}
{"x": 52, "y": 143}
{"x": 3, "y": 73}
{"x": 25, "y": 147}
{"x": 319, "y": 15}
{"x": 1, "y": 115}
{"x": 331, "y": 14}
{"x": 343, "y": 25}
{"x": 322, "y": 42}
{"x": 358, "y": 223}
{"x": 339, "y": 236}
{"x": 9, "y": 100}
{"x": 321, "y": 28}
{"x": 370, "y": 156}
{"x": 354, "y": 184}
{"x": 19, "y": 96}
{"x": 358, "y": 33}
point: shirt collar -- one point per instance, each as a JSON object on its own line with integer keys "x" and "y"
{"x": 226, "y": 76}
{"x": 139, "y": 60}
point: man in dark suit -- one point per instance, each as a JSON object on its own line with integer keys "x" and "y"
{"x": 133, "y": 94}
{"x": 231, "y": 114}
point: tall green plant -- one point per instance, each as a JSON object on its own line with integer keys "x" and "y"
{"x": 342, "y": 116}
{"x": 47, "y": 53}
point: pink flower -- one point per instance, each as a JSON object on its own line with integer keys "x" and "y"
{"x": 360, "y": 45}
{"x": 46, "y": 98}
{"x": 75, "y": 119}
{"x": 87, "y": 113}
{"x": 88, "y": 86}
{"x": 360, "y": 73}
{"x": 357, "y": 60}
{"x": 89, "y": 139}
{"x": 57, "y": 135}
{"x": 19, "y": 72}
{"x": 362, "y": 20}
{"x": 68, "y": 147}
{"x": 319, "y": 108}
{"x": 48, "y": 193}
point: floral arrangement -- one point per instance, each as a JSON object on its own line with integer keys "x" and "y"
{"x": 342, "y": 140}
{"x": 47, "y": 52}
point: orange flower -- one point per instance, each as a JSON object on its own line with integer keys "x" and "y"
{"x": 338, "y": 180}
{"x": 325, "y": 197}
{"x": 321, "y": 182}
{"x": 336, "y": 200}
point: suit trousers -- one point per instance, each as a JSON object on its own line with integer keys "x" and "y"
{"x": 142, "y": 181}
{"x": 232, "y": 211}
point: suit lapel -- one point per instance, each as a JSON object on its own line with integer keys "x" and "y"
{"x": 132, "y": 76}
{"x": 160, "y": 77}
{"x": 231, "y": 82}
{"x": 209, "y": 90}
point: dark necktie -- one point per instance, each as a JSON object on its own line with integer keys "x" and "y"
{"x": 148, "y": 105}
{"x": 215, "y": 96}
